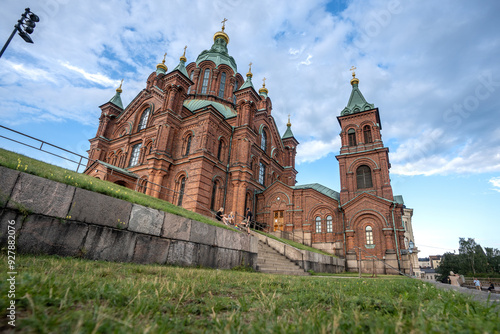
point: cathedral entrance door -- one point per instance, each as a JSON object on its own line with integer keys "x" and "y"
{"x": 278, "y": 221}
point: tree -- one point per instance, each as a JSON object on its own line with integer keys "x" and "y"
{"x": 493, "y": 259}
{"x": 449, "y": 262}
{"x": 467, "y": 250}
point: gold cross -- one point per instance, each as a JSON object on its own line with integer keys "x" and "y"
{"x": 352, "y": 69}
{"x": 165, "y": 55}
{"x": 250, "y": 69}
{"x": 121, "y": 84}
{"x": 184, "y": 54}
{"x": 264, "y": 82}
{"x": 223, "y": 24}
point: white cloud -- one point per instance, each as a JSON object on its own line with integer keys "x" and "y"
{"x": 97, "y": 77}
{"x": 495, "y": 181}
{"x": 313, "y": 150}
{"x": 410, "y": 56}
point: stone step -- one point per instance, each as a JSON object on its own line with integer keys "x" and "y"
{"x": 269, "y": 261}
{"x": 284, "y": 272}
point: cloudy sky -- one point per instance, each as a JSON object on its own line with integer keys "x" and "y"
{"x": 431, "y": 67}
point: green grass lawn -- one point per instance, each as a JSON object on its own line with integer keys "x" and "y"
{"x": 68, "y": 295}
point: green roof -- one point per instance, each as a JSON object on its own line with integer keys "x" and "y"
{"x": 247, "y": 83}
{"x": 118, "y": 169}
{"x": 357, "y": 102}
{"x": 194, "y": 105}
{"x": 117, "y": 100}
{"x": 218, "y": 54}
{"x": 288, "y": 132}
{"x": 320, "y": 188}
{"x": 182, "y": 68}
{"x": 399, "y": 199}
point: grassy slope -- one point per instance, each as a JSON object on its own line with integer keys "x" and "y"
{"x": 67, "y": 295}
{"x": 36, "y": 167}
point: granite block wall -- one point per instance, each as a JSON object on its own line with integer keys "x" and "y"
{"x": 54, "y": 218}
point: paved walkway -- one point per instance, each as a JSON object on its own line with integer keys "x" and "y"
{"x": 476, "y": 294}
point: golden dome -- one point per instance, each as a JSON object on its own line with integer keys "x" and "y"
{"x": 263, "y": 89}
{"x": 162, "y": 64}
{"x": 354, "y": 80}
{"x": 249, "y": 74}
{"x": 183, "y": 57}
{"x": 119, "y": 89}
{"x": 222, "y": 34}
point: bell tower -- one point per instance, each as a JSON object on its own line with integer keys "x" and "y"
{"x": 363, "y": 159}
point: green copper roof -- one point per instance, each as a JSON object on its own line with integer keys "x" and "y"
{"x": 320, "y": 188}
{"x": 118, "y": 169}
{"x": 357, "y": 102}
{"x": 399, "y": 199}
{"x": 194, "y": 105}
{"x": 218, "y": 54}
{"x": 117, "y": 100}
{"x": 288, "y": 132}
{"x": 247, "y": 83}
{"x": 182, "y": 68}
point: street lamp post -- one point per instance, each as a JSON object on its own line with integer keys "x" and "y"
{"x": 24, "y": 26}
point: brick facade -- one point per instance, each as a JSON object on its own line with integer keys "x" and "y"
{"x": 201, "y": 136}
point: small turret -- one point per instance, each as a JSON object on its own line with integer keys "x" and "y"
{"x": 117, "y": 100}
{"x": 357, "y": 102}
{"x": 263, "y": 91}
{"x": 161, "y": 67}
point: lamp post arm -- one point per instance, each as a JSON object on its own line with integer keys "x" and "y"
{"x": 8, "y": 41}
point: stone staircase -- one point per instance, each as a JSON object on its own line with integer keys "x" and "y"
{"x": 271, "y": 262}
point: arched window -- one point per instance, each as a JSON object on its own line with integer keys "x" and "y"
{"x": 222, "y": 84}
{"x": 181, "y": 191}
{"x": 188, "y": 145}
{"x": 144, "y": 119}
{"x": 219, "y": 151}
{"x": 329, "y": 224}
{"x": 190, "y": 77}
{"x": 368, "y": 134}
{"x": 351, "y": 134}
{"x": 263, "y": 141}
{"x": 262, "y": 174}
{"x": 364, "y": 177}
{"x": 134, "y": 156}
{"x": 234, "y": 91}
{"x": 369, "y": 235}
{"x": 214, "y": 195}
{"x": 204, "y": 86}
{"x": 318, "y": 224}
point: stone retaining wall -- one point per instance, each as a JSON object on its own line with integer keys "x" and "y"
{"x": 305, "y": 259}
{"x": 54, "y": 218}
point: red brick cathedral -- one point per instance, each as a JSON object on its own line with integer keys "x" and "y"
{"x": 202, "y": 137}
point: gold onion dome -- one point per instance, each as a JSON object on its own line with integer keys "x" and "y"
{"x": 119, "y": 89}
{"x": 162, "y": 64}
{"x": 249, "y": 74}
{"x": 222, "y": 34}
{"x": 354, "y": 80}
{"x": 183, "y": 57}
{"x": 263, "y": 89}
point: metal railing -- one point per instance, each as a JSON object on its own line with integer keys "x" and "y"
{"x": 42, "y": 142}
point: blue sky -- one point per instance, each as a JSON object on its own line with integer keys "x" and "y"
{"x": 430, "y": 67}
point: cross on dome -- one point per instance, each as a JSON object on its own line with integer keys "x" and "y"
{"x": 352, "y": 70}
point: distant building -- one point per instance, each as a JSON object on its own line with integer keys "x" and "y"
{"x": 429, "y": 274}
{"x": 424, "y": 263}
{"x": 435, "y": 260}
{"x": 202, "y": 137}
